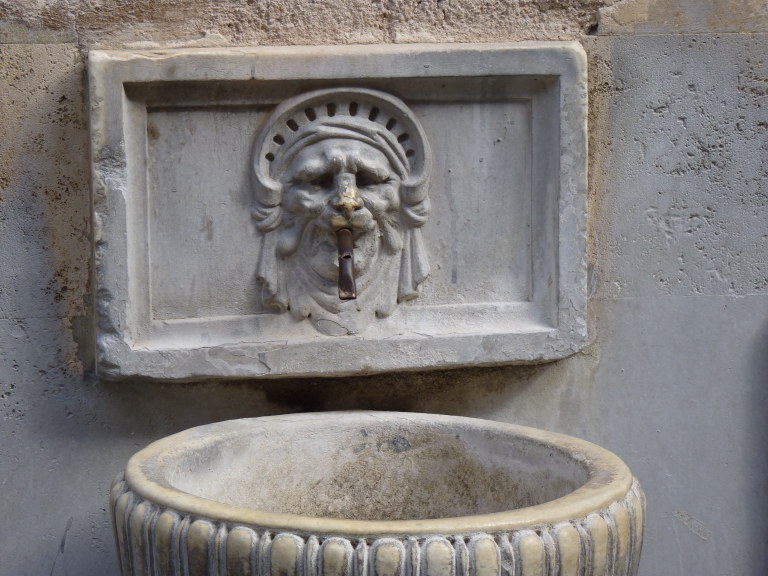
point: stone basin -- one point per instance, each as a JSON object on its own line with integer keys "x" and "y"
{"x": 376, "y": 494}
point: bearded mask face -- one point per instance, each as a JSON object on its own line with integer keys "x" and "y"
{"x": 337, "y": 184}
{"x": 341, "y": 171}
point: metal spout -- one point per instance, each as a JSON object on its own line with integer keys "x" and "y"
{"x": 347, "y": 289}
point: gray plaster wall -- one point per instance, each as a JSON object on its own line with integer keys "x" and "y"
{"x": 675, "y": 381}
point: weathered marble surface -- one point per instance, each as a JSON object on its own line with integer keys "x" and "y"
{"x": 675, "y": 382}
{"x": 376, "y": 493}
{"x": 185, "y": 284}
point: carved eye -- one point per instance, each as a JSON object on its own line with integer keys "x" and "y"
{"x": 324, "y": 181}
{"x": 366, "y": 179}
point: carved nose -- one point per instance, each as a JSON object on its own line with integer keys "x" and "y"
{"x": 347, "y": 198}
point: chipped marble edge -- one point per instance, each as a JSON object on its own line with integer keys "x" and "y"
{"x": 119, "y": 350}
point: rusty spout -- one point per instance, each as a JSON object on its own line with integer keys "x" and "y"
{"x": 347, "y": 290}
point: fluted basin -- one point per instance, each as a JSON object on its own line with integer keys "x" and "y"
{"x": 376, "y": 494}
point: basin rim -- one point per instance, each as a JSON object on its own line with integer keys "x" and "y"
{"x": 609, "y": 480}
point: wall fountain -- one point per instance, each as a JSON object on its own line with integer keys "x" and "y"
{"x": 318, "y": 211}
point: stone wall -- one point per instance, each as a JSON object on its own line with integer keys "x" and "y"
{"x": 675, "y": 381}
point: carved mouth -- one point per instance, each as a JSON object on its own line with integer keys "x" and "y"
{"x": 320, "y": 252}
{"x": 346, "y": 281}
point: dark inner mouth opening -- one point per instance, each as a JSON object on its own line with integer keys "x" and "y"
{"x": 347, "y": 289}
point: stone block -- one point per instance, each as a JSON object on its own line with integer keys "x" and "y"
{"x": 215, "y": 247}
{"x": 44, "y": 182}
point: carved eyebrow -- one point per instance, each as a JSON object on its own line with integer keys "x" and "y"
{"x": 373, "y": 168}
{"x": 315, "y": 167}
{"x": 310, "y": 170}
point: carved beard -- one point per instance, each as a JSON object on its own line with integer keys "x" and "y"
{"x": 307, "y": 256}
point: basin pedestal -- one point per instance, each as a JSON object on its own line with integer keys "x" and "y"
{"x": 376, "y": 494}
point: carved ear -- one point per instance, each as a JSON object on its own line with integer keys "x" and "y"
{"x": 415, "y": 215}
{"x": 267, "y": 218}
{"x": 414, "y": 191}
{"x": 268, "y": 191}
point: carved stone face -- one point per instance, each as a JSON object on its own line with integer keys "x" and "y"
{"x": 338, "y": 183}
{"x": 332, "y": 166}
